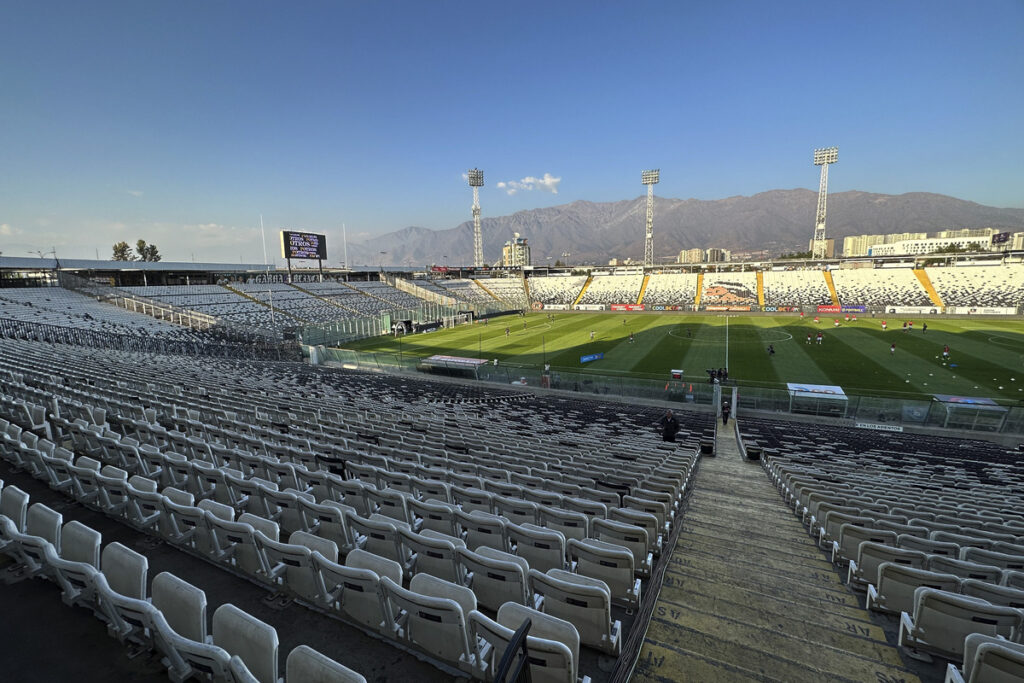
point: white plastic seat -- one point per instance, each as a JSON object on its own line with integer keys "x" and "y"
{"x": 483, "y": 529}
{"x": 389, "y": 503}
{"x": 496, "y": 577}
{"x": 942, "y": 620}
{"x": 327, "y": 520}
{"x": 248, "y": 638}
{"x": 583, "y": 602}
{"x": 434, "y": 514}
{"x": 235, "y": 542}
{"x": 58, "y": 472}
{"x": 182, "y": 605}
{"x": 291, "y": 563}
{"x": 894, "y": 591}
{"x": 1013, "y": 579}
{"x": 306, "y": 665}
{"x": 516, "y": 510}
{"x": 432, "y": 555}
{"x": 283, "y": 508}
{"x": 77, "y": 562}
{"x": 629, "y": 536}
{"x": 124, "y": 570}
{"x": 379, "y": 535}
{"x": 351, "y": 493}
{"x": 993, "y": 593}
{"x": 179, "y": 517}
{"x": 965, "y": 569}
{"x": 988, "y": 659}
{"x": 543, "y": 548}
{"x": 571, "y": 524}
{"x": 354, "y": 589}
{"x": 609, "y": 563}
{"x": 13, "y": 506}
{"x": 145, "y": 504}
{"x": 996, "y": 558}
{"x": 926, "y": 545}
{"x": 863, "y": 569}
{"x": 846, "y": 546}
{"x": 471, "y": 499}
{"x": 432, "y": 489}
{"x": 432, "y": 616}
{"x": 42, "y": 529}
{"x": 553, "y": 644}
{"x": 84, "y": 485}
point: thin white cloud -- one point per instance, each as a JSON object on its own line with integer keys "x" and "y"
{"x": 135, "y": 193}
{"x": 547, "y": 183}
{"x": 8, "y": 230}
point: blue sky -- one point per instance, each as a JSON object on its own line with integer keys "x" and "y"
{"x": 182, "y": 122}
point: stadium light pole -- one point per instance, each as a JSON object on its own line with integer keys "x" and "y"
{"x": 822, "y": 157}
{"x": 650, "y": 179}
{"x": 476, "y": 181}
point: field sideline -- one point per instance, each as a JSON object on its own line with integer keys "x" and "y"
{"x": 986, "y": 356}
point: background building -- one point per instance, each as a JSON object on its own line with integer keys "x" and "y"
{"x": 716, "y": 255}
{"x": 928, "y": 246}
{"x": 516, "y": 252}
{"x": 691, "y": 256}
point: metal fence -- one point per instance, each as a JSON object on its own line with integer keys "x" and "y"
{"x": 880, "y": 412}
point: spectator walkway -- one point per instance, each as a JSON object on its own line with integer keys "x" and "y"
{"x": 748, "y": 596}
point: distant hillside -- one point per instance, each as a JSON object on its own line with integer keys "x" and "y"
{"x": 778, "y": 220}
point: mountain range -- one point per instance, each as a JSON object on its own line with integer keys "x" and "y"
{"x": 777, "y": 221}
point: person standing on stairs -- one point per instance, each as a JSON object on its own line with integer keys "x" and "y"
{"x": 726, "y": 409}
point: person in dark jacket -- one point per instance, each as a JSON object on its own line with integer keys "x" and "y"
{"x": 726, "y": 410}
{"x": 669, "y": 426}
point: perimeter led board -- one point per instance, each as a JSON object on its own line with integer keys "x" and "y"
{"x": 306, "y": 245}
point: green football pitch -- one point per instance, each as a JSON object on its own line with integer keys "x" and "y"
{"x": 986, "y": 356}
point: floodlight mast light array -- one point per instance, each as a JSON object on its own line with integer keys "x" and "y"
{"x": 476, "y": 181}
{"x": 822, "y": 157}
{"x": 650, "y": 179}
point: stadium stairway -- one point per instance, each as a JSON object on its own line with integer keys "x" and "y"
{"x": 748, "y": 596}
{"x": 700, "y": 289}
{"x": 926, "y": 282}
{"x": 831, "y": 287}
{"x": 253, "y": 299}
{"x": 590, "y": 278}
{"x": 643, "y": 289}
{"x": 760, "y": 289}
{"x": 481, "y": 286}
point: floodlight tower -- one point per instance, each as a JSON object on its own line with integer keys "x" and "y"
{"x": 822, "y": 157}
{"x": 650, "y": 179}
{"x": 476, "y": 181}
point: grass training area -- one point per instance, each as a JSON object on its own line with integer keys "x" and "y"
{"x": 986, "y": 355}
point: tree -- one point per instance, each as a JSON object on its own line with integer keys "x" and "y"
{"x": 122, "y": 252}
{"x": 558, "y": 263}
{"x": 797, "y": 255}
{"x": 147, "y": 252}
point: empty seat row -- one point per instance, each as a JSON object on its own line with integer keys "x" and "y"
{"x": 111, "y": 582}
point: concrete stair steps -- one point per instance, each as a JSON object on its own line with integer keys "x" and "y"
{"x": 740, "y": 569}
{"x": 776, "y": 657}
{"x": 776, "y": 563}
{"x": 748, "y": 596}
{"x": 797, "y": 548}
{"x": 760, "y": 583}
{"x": 711, "y": 598}
{"x": 751, "y": 621}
